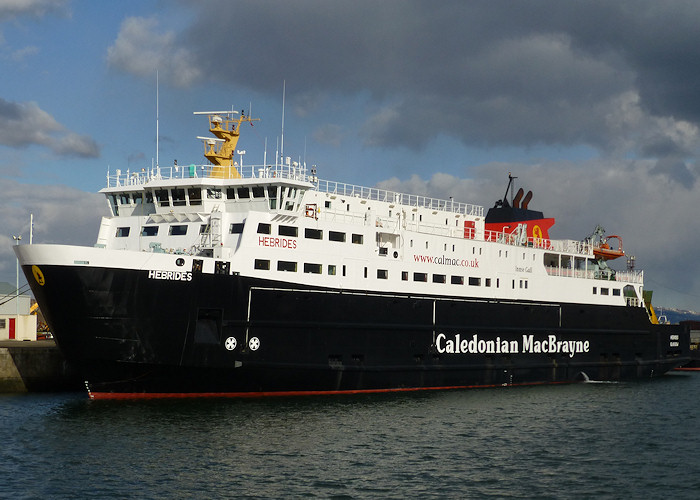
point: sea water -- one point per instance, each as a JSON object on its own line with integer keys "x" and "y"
{"x": 620, "y": 440}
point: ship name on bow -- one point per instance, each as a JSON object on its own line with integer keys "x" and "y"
{"x": 170, "y": 275}
{"x": 529, "y": 345}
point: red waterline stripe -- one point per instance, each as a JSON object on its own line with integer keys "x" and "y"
{"x": 263, "y": 394}
{"x": 684, "y": 369}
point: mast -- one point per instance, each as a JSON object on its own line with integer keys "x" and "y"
{"x": 284, "y": 91}
{"x": 157, "y": 119}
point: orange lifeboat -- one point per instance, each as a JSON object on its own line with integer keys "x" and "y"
{"x": 604, "y": 251}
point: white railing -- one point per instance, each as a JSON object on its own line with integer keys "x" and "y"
{"x": 411, "y": 200}
{"x": 143, "y": 176}
{"x": 601, "y": 274}
{"x": 175, "y": 172}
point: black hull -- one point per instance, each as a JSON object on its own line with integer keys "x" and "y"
{"x": 131, "y": 335}
{"x": 694, "y": 364}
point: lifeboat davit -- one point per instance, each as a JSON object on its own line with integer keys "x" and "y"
{"x": 604, "y": 251}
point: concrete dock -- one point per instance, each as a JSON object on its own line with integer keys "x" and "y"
{"x": 35, "y": 366}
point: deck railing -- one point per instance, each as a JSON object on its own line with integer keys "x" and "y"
{"x": 143, "y": 176}
{"x": 597, "y": 274}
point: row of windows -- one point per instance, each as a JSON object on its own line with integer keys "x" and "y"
{"x": 291, "y": 266}
{"x": 237, "y": 228}
{"x": 313, "y": 268}
{"x": 310, "y": 233}
{"x": 263, "y": 228}
{"x": 317, "y": 234}
{"x": 173, "y": 230}
{"x": 193, "y": 196}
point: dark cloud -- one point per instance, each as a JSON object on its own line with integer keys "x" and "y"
{"x": 26, "y": 124}
{"x": 486, "y": 73}
{"x": 675, "y": 169}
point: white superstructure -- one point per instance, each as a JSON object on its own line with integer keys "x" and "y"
{"x": 279, "y": 223}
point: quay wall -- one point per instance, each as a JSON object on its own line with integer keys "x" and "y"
{"x": 35, "y": 366}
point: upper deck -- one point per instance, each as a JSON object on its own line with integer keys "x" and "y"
{"x": 211, "y": 175}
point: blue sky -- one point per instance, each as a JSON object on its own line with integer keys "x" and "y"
{"x": 593, "y": 105}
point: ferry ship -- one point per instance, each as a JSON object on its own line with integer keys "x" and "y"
{"x": 232, "y": 280}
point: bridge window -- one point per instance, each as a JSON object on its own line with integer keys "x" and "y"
{"x": 272, "y": 195}
{"x": 179, "y": 197}
{"x": 243, "y": 193}
{"x": 195, "y": 196}
{"x": 258, "y": 192}
{"x": 113, "y": 204}
{"x": 162, "y": 197}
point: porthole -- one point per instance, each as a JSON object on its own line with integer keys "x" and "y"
{"x": 396, "y": 255}
{"x": 180, "y": 262}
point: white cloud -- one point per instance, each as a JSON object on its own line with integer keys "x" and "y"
{"x": 31, "y": 8}
{"x": 141, "y": 51}
{"x": 61, "y": 215}
{"x": 20, "y": 55}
